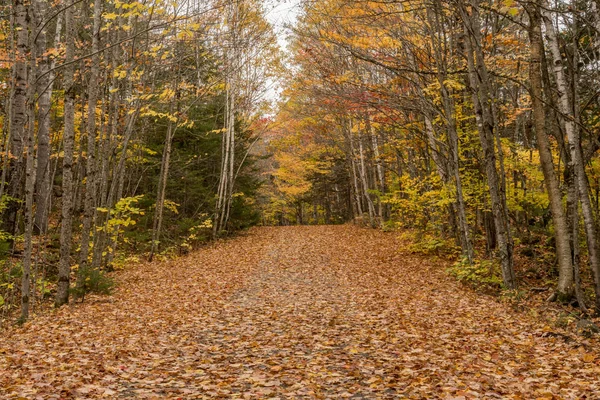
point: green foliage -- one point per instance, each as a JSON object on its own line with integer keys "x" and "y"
{"x": 10, "y": 276}
{"x": 199, "y": 232}
{"x": 480, "y": 273}
{"x": 93, "y": 281}
{"x": 429, "y": 244}
{"x": 192, "y": 182}
{"x": 124, "y": 214}
{"x": 43, "y": 287}
{"x": 419, "y": 203}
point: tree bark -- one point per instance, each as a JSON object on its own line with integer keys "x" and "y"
{"x": 64, "y": 268}
{"x": 364, "y": 180}
{"x": 162, "y": 185}
{"x": 44, "y": 89}
{"x": 561, "y": 231}
{"x": 89, "y": 206}
{"x": 29, "y": 171}
{"x": 574, "y": 145}
{"x": 434, "y": 16}
{"x": 481, "y": 94}
{"x": 18, "y": 116}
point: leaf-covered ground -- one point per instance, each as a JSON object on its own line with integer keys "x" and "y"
{"x": 292, "y": 313}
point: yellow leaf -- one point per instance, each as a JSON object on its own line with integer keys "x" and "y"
{"x": 588, "y": 358}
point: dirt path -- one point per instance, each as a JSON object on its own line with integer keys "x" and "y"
{"x": 295, "y": 312}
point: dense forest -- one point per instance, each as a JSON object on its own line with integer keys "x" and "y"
{"x": 127, "y": 129}
{"x": 137, "y": 130}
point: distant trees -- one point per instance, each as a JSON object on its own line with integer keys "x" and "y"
{"x": 250, "y": 57}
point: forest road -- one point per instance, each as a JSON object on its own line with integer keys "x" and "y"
{"x": 325, "y": 312}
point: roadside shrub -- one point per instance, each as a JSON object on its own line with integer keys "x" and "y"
{"x": 93, "y": 281}
{"x": 480, "y": 273}
{"x": 429, "y": 244}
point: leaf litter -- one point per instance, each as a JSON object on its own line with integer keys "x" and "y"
{"x": 291, "y": 313}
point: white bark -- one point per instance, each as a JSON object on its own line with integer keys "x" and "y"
{"x": 574, "y": 143}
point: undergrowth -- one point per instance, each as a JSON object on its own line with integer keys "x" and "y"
{"x": 477, "y": 274}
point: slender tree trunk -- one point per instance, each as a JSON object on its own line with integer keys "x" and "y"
{"x": 479, "y": 82}
{"x": 18, "y": 115}
{"x": 364, "y": 180}
{"x": 64, "y": 269}
{"x": 466, "y": 243}
{"x": 573, "y": 220}
{"x": 162, "y": 187}
{"x": 435, "y": 152}
{"x": 231, "y": 168}
{"x": 352, "y": 158}
{"x": 226, "y": 161}
{"x": 29, "y": 172}
{"x": 7, "y": 127}
{"x": 44, "y": 89}
{"x": 378, "y": 168}
{"x": 227, "y": 173}
{"x": 103, "y": 155}
{"x": 434, "y": 16}
{"x": 89, "y": 207}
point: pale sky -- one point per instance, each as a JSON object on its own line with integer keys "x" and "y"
{"x": 280, "y": 13}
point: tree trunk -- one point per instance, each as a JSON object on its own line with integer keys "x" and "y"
{"x": 44, "y": 89}
{"x": 561, "y": 230}
{"x": 451, "y": 129}
{"x": 162, "y": 187}
{"x": 64, "y": 269}
{"x": 352, "y": 161}
{"x": 481, "y": 94}
{"x": 29, "y": 172}
{"x": 89, "y": 206}
{"x": 378, "y": 168}
{"x": 225, "y": 189}
{"x": 18, "y": 116}
{"x": 576, "y": 157}
{"x": 364, "y": 180}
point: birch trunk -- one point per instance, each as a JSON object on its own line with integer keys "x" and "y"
{"x": 162, "y": 188}
{"x": 574, "y": 145}
{"x": 227, "y": 156}
{"x": 231, "y": 167}
{"x": 352, "y": 158}
{"x": 64, "y": 268}
{"x": 364, "y": 180}
{"x": 232, "y": 81}
{"x": 378, "y": 167}
{"x": 563, "y": 247}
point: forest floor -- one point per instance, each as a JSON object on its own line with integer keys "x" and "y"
{"x": 291, "y": 313}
